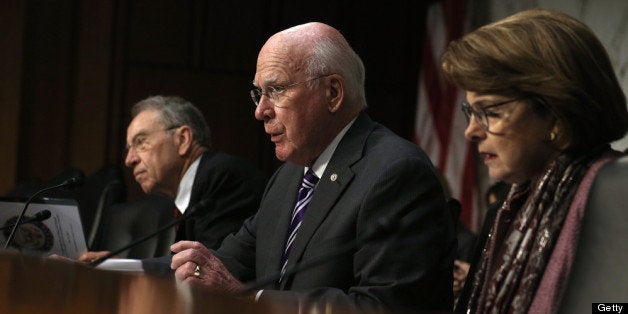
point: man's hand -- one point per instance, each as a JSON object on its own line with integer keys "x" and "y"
{"x": 90, "y": 256}
{"x": 211, "y": 273}
{"x": 61, "y": 258}
{"x": 85, "y": 258}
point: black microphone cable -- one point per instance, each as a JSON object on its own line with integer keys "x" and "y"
{"x": 190, "y": 212}
{"x": 383, "y": 225}
{"x": 72, "y": 182}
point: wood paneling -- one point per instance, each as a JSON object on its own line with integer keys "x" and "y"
{"x": 86, "y": 63}
{"x": 160, "y": 32}
{"x": 11, "y": 22}
{"x": 92, "y": 112}
{"x": 46, "y": 91}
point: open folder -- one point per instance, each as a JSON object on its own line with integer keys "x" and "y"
{"x": 61, "y": 234}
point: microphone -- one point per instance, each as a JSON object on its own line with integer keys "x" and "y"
{"x": 69, "y": 183}
{"x": 39, "y": 216}
{"x": 190, "y": 212}
{"x": 383, "y": 225}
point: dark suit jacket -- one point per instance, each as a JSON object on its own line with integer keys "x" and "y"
{"x": 378, "y": 176}
{"x": 235, "y": 188}
{"x": 234, "y": 185}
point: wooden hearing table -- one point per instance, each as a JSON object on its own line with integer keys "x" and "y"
{"x": 30, "y": 284}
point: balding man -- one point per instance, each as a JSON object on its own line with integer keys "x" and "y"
{"x": 342, "y": 174}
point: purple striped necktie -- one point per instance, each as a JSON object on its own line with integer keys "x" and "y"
{"x": 303, "y": 199}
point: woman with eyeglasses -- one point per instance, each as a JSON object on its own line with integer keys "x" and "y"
{"x": 543, "y": 104}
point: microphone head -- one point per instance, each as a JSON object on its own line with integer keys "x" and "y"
{"x": 73, "y": 182}
{"x": 194, "y": 209}
{"x": 42, "y": 215}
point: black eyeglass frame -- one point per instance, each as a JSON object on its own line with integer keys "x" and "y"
{"x": 481, "y": 116}
{"x": 273, "y": 92}
{"x": 138, "y": 146}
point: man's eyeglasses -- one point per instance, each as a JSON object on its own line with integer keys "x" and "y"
{"x": 140, "y": 142}
{"x": 273, "y": 92}
{"x": 481, "y": 115}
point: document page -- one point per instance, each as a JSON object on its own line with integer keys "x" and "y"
{"x": 61, "y": 234}
{"x": 122, "y": 265}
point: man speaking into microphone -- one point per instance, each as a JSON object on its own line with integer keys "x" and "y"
{"x": 342, "y": 174}
{"x": 169, "y": 152}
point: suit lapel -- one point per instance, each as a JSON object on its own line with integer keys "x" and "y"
{"x": 199, "y": 178}
{"x": 325, "y": 196}
{"x": 335, "y": 180}
{"x": 186, "y": 231}
{"x": 284, "y": 201}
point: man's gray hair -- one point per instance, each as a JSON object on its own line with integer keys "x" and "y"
{"x": 175, "y": 111}
{"x": 332, "y": 55}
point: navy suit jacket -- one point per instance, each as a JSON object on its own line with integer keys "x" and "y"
{"x": 372, "y": 175}
{"x": 234, "y": 187}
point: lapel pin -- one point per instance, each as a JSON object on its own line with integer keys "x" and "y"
{"x": 333, "y": 177}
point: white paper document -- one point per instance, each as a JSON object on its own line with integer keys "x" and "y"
{"x": 61, "y": 234}
{"x": 122, "y": 265}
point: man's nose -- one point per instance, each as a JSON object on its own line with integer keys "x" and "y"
{"x": 131, "y": 158}
{"x": 265, "y": 109}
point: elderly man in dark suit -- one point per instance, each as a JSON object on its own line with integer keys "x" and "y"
{"x": 169, "y": 145}
{"x": 346, "y": 173}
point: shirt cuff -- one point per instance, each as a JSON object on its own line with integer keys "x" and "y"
{"x": 258, "y": 295}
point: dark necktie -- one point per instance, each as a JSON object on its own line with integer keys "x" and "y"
{"x": 177, "y": 214}
{"x": 303, "y": 199}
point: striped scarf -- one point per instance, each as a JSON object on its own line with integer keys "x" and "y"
{"x": 510, "y": 270}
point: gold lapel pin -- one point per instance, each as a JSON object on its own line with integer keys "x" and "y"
{"x": 333, "y": 177}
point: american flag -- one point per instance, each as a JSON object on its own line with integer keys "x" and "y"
{"x": 439, "y": 122}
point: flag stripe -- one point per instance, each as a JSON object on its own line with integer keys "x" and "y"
{"x": 439, "y": 124}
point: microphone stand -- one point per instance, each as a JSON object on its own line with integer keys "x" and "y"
{"x": 101, "y": 259}
{"x": 383, "y": 225}
{"x": 315, "y": 261}
{"x": 69, "y": 182}
{"x": 190, "y": 212}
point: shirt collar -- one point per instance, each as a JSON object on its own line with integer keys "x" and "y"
{"x": 184, "y": 191}
{"x": 321, "y": 162}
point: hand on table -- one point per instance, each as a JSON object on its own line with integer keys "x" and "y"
{"x": 92, "y": 255}
{"x": 194, "y": 263}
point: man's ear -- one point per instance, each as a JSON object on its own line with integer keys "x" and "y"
{"x": 335, "y": 93}
{"x": 183, "y": 139}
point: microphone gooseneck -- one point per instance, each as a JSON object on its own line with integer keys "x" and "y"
{"x": 382, "y": 225}
{"x": 39, "y": 216}
{"x": 190, "y": 212}
{"x": 69, "y": 183}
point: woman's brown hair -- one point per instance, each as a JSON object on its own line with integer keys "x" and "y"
{"x": 553, "y": 59}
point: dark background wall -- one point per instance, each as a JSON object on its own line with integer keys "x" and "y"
{"x": 70, "y": 70}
